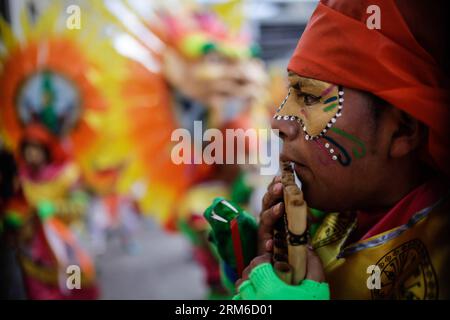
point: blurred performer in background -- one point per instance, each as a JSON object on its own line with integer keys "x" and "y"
{"x": 38, "y": 225}
{"x": 112, "y": 214}
{"x": 43, "y": 210}
{"x": 217, "y": 79}
{"x": 50, "y": 180}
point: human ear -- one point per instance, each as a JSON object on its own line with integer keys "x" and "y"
{"x": 407, "y": 135}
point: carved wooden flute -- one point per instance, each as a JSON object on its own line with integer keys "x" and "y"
{"x": 290, "y": 233}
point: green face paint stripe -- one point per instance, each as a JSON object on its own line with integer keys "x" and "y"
{"x": 330, "y": 107}
{"x": 356, "y": 153}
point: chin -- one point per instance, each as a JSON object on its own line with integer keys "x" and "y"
{"x": 317, "y": 199}
{"x": 311, "y": 197}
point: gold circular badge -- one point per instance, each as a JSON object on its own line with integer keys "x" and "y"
{"x": 407, "y": 273}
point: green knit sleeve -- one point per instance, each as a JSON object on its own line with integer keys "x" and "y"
{"x": 264, "y": 284}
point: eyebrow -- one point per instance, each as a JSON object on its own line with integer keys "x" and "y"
{"x": 306, "y": 85}
{"x": 295, "y": 85}
{"x": 293, "y": 79}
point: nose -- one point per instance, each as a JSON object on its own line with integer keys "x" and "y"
{"x": 288, "y": 130}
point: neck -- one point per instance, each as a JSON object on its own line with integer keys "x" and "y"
{"x": 396, "y": 185}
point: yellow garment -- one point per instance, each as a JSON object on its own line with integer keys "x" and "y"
{"x": 56, "y": 191}
{"x": 413, "y": 258}
{"x": 198, "y": 198}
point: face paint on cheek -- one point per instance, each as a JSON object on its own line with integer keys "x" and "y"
{"x": 330, "y": 105}
{"x": 316, "y": 116}
{"x": 323, "y": 154}
{"x": 359, "y": 150}
{"x": 319, "y": 117}
{"x": 328, "y": 90}
{"x": 331, "y": 102}
{"x": 323, "y": 116}
{"x": 337, "y": 152}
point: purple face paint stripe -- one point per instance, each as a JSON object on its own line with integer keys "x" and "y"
{"x": 330, "y": 100}
{"x": 327, "y": 90}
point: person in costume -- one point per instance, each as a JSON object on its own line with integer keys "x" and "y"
{"x": 50, "y": 180}
{"x": 365, "y": 124}
{"x": 43, "y": 211}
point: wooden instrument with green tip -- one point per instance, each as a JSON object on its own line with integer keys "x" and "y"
{"x": 290, "y": 233}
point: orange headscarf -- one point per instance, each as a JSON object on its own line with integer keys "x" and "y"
{"x": 338, "y": 47}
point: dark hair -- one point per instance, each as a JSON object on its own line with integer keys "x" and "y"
{"x": 8, "y": 171}
{"x": 377, "y": 106}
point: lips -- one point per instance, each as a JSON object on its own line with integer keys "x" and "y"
{"x": 299, "y": 169}
{"x": 284, "y": 157}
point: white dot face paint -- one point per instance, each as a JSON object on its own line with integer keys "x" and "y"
{"x": 316, "y": 104}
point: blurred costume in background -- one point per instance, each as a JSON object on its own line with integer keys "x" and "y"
{"x": 44, "y": 242}
{"x": 196, "y": 228}
{"x": 111, "y": 213}
{"x": 49, "y": 179}
{"x": 49, "y": 183}
{"x": 226, "y": 90}
{"x": 127, "y": 114}
{"x": 227, "y": 87}
{"x": 48, "y": 118}
{"x": 233, "y": 235}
